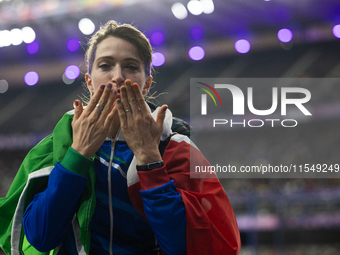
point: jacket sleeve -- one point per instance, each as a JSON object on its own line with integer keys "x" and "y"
{"x": 164, "y": 209}
{"x": 49, "y": 215}
{"x": 211, "y": 226}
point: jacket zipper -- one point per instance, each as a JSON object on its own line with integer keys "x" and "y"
{"x": 110, "y": 193}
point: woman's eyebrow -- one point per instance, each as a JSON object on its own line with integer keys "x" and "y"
{"x": 112, "y": 58}
{"x": 132, "y": 59}
{"x": 104, "y": 58}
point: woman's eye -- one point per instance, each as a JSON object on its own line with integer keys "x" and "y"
{"x": 104, "y": 66}
{"x": 132, "y": 67}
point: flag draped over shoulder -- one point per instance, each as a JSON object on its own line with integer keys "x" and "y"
{"x": 211, "y": 224}
{"x": 41, "y": 158}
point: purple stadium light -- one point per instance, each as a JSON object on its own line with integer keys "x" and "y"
{"x": 72, "y": 72}
{"x": 157, "y": 38}
{"x": 197, "y": 33}
{"x": 31, "y": 78}
{"x": 336, "y": 31}
{"x": 158, "y": 59}
{"x": 285, "y": 35}
{"x": 33, "y": 48}
{"x": 242, "y": 46}
{"x": 196, "y": 53}
{"x": 73, "y": 45}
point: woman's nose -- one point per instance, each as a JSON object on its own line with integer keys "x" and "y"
{"x": 118, "y": 76}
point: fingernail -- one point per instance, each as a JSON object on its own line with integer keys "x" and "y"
{"x": 128, "y": 82}
{"x": 135, "y": 85}
{"x": 123, "y": 89}
{"x": 76, "y": 103}
{"x": 102, "y": 86}
{"x": 118, "y": 101}
{"x": 109, "y": 85}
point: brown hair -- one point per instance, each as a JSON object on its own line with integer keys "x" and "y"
{"x": 125, "y": 32}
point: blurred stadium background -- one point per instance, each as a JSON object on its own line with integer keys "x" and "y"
{"x": 42, "y": 72}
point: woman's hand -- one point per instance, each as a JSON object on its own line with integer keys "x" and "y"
{"x": 92, "y": 125}
{"x": 141, "y": 132}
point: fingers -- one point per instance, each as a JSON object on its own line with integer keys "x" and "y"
{"x": 132, "y": 99}
{"x": 128, "y": 99}
{"x": 94, "y": 100}
{"x": 109, "y": 110}
{"x": 78, "y": 109}
{"x": 138, "y": 98}
{"x": 104, "y": 98}
{"x": 100, "y": 108}
{"x": 121, "y": 113}
{"x": 126, "y": 106}
{"x": 131, "y": 102}
{"x": 161, "y": 115}
{"x": 99, "y": 100}
{"x": 132, "y": 107}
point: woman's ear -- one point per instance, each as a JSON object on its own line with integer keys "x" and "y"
{"x": 147, "y": 85}
{"x": 89, "y": 83}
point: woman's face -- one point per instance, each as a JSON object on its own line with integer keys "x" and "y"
{"x": 115, "y": 61}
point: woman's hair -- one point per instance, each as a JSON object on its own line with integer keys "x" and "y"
{"x": 125, "y": 32}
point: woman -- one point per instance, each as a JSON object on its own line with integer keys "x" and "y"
{"x": 70, "y": 202}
